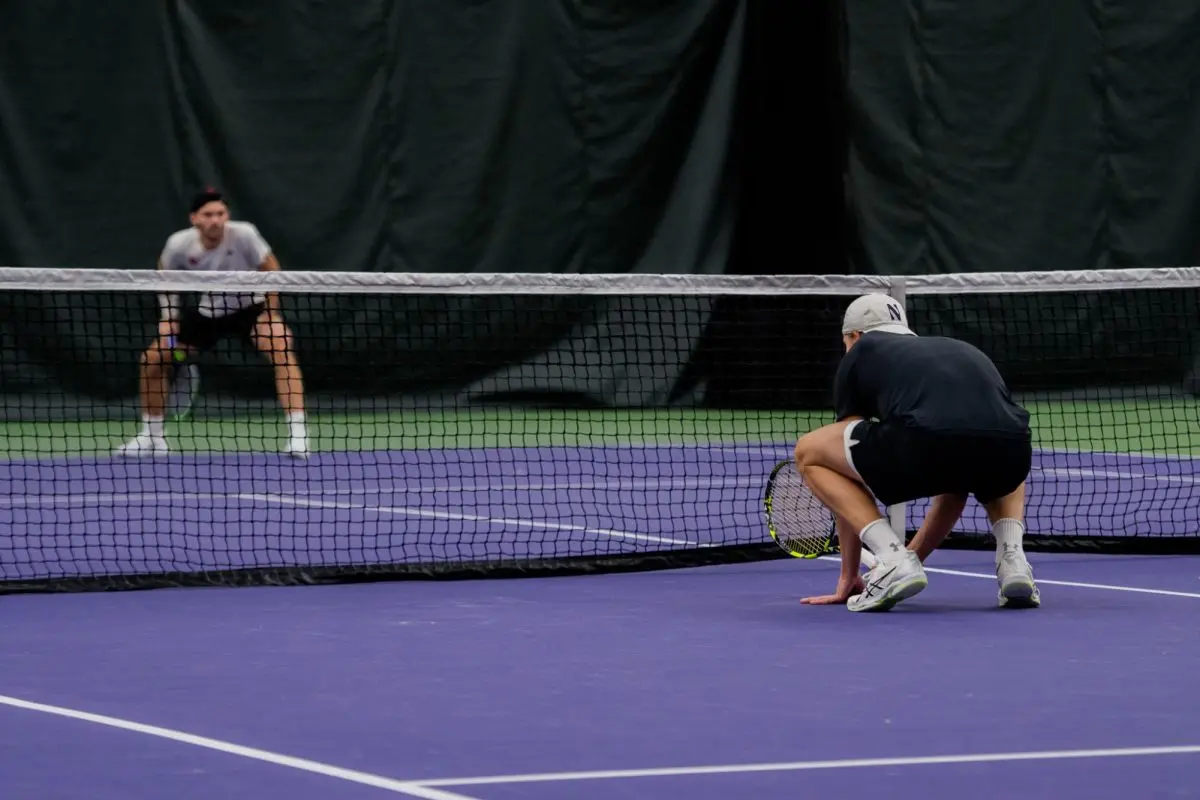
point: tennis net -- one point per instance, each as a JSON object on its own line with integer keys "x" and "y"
{"x": 476, "y": 424}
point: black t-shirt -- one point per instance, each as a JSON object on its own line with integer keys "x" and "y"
{"x": 933, "y": 383}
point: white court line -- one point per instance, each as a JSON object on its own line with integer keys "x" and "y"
{"x": 422, "y": 512}
{"x": 303, "y": 764}
{"x": 429, "y": 789}
{"x": 796, "y": 766}
{"x": 100, "y": 498}
{"x": 1045, "y": 582}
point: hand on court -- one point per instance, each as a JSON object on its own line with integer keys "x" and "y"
{"x": 845, "y": 588}
{"x": 168, "y": 328}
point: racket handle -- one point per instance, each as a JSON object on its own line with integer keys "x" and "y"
{"x": 177, "y": 355}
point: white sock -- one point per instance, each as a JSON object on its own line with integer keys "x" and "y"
{"x": 296, "y": 425}
{"x": 153, "y": 426}
{"x": 881, "y": 540}
{"x": 1010, "y": 535}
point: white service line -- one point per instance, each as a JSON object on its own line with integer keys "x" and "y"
{"x": 422, "y": 512}
{"x": 407, "y": 788}
{"x": 794, "y": 766}
{"x": 603, "y": 485}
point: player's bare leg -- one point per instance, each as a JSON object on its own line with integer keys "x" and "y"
{"x": 154, "y": 378}
{"x": 898, "y": 575}
{"x": 274, "y": 340}
{"x": 1013, "y": 571}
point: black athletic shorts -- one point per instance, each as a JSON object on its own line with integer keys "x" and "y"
{"x": 201, "y": 332}
{"x": 900, "y": 464}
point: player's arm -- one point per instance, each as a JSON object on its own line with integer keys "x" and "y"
{"x": 845, "y": 394}
{"x": 168, "y": 304}
{"x": 271, "y": 264}
{"x": 851, "y": 549}
{"x": 944, "y": 513}
{"x": 849, "y": 581}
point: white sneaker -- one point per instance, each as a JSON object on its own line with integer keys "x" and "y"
{"x": 1015, "y": 576}
{"x": 297, "y": 447}
{"x": 144, "y": 445}
{"x": 889, "y": 582}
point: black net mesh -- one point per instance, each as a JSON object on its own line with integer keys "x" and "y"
{"x": 617, "y": 423}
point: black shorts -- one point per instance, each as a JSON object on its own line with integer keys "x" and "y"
{"x": 201, "y": 332}
{"x": 900, "y": 464}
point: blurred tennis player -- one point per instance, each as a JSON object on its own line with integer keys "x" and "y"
{"x": 216, "y": 243}
{"x": 918, "y": 416}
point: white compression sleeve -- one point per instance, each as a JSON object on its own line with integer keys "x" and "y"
{"x": 168, "y": 306}
{"x": 881, "y": 540}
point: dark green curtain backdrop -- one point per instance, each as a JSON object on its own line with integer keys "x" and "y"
{"x": 1022, "y": 135}
{"x": 600, "y": 136}
{"x": 389, "y": 135}
{"x": 376, "y": 135}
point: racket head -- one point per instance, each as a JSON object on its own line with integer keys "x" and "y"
{"x": 185, "y": 386}
{"x": 798, "y": 522}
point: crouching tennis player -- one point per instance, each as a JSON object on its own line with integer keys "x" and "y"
{"x": 918, "y": 416}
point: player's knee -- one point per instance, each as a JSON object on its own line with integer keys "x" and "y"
{"x": 821, "y": 448}
{"x": 808, "y": 450}
{"x": 800, "y": 451}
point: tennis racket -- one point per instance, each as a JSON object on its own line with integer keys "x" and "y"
{"x": 798, "y": 522}
{"x": 185, "y": 387}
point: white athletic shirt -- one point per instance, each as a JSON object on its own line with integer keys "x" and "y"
{"x": 242, "y": 250}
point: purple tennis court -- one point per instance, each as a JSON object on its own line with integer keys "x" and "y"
{"x": 708, "y": 682}
{"x": 704, "y": 682}
{"x": 86, "y": 517}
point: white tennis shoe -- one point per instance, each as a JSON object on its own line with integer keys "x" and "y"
{"x": 1015, "y": 576}
{"x": 144, "y": 445}
{"x": 889, "y": 582}
{"x": 297, "y": 447}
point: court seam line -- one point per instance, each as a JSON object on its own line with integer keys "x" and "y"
{"x": 796, "y": 766}
{"x": 409, "y": 788}
{"x": 1051, "y": 582}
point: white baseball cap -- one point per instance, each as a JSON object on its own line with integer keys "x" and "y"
{"x": 876, "y": 312}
